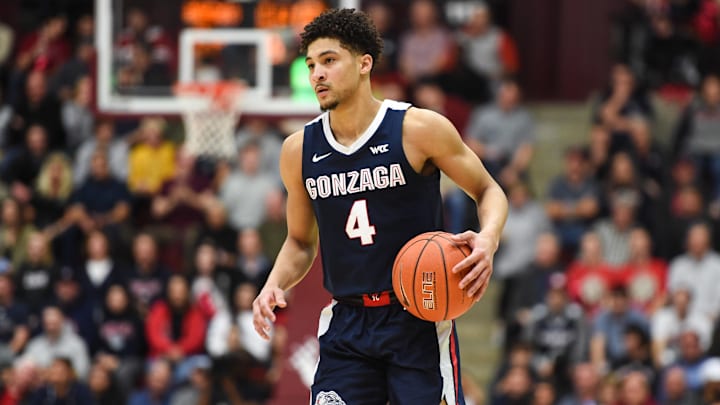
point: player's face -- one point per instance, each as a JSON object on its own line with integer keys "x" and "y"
{"x": 334, "y": 72}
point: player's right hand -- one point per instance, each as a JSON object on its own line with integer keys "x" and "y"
{"x": 263, "y": 306}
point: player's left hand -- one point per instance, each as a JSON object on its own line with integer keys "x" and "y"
{"x": 478, "y": 266}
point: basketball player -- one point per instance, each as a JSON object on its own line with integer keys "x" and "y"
{"x": 363, "y": 178}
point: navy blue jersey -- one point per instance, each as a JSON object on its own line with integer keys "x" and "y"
{"x": 368, "y": 200}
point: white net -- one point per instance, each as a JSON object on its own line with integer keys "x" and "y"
{"x": 210, "y": 115}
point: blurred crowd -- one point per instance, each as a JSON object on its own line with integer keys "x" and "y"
{"x": 128, "y": 265}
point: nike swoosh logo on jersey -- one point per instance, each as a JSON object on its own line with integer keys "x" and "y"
{"x": 317, "y": 158}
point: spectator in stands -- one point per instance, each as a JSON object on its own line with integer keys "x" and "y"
{"x": 152, "y": 160}
{"x": 104, "y": 389}
{"x": 691, "y": 359}
{"x": 572, "y": 200}
{"x": 254, "y": 364}
{"x": 143, "y": 71}
{"x": 199, "y": 390}
{"x": 514, "y": 388}
{"x": 140, "y": 31}
{"x": 675, "y": 390}
{"x": 261, "y": 132}
{"x": 699, "y": 270}
{"x": 682, "y": 175}
{"x": 487, "y": 53}
{"x": 670, "y": 54}
{"x": 623, "y": 177}
{"x": 252, "y": 263}
{"x": 696, "y": 134}
{"x": 178, "y": 208}
{"x": 51, "y": 195}
{"x": 22, "y": 171}
{"x": 103, "y": 141}
{"x": 428, "y": 93}
{"x": 525, "y": 223}
{"x": 46, "y": 48}
{"x": 532, "y": 285}
{"x": 689, "y": 209}
{"x": 35, "y": 275}
{"x": 427, "y": 48}
{"x": 58, "y": 340}
{"x": 78, "y": 309}
{"x": 382, "y": 16}
{"x": 635, "y": 389}
{"x": 79, "y": 65}
{"x": 638, "y": 356}
{"x": 607, "y": 344}
{"x": 622, "y": 101}
{"x": 175, "y": 328}
{"x": 669, "y": 323}
{"x": 121, "y": 343}
{"x": 14, "y": 234}
{"x": 100, "y": 203}
{"x": 544, "y": 393}
{"x": 244, "y": 190}
{"x": 100, "y": 270}
{"x": 614, "y": 232}
{"x": 217, "y": 231}
{"x": 273, "y": 230}
{"x": 19, "y": 382}
{"x": 14, "y": 331}
{"x": 62, "y": 386}
{"x": 158, "y": 385}
{"x": 147, "y": 278}
{"x": 37, "y": 107}
{"x": 644, "y": 276}
{"x": 77, "y": 115}
{"x": 585, "y": 385}
{"x": 212, "y": 284}
{"x": 558, "y": 334}
{"x": 589, "y": 278}
{"x": 502, "y": 134}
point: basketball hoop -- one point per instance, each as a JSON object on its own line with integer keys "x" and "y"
{"x": 210, "y": 113}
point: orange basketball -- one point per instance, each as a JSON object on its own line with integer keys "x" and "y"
{"x": 423, "y": 279}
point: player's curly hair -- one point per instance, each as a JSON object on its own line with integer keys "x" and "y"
{"x": 353, "y": 28}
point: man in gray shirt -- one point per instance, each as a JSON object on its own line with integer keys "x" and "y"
{"x": 246, "y": 188}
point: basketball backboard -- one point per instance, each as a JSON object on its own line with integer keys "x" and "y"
{"x": 144, "y": 47}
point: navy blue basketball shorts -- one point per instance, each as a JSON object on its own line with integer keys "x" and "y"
{"x": 380, "y": 355}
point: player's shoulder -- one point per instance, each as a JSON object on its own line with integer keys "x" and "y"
{"x": 293, "y": 143}
{"x": 424, "y": 121}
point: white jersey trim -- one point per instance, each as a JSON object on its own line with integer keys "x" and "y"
{"x": 369, "y": 132}
{"x": 444, "y": 334}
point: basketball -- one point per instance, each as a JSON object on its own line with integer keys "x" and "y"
{"x": 423, "y": 280}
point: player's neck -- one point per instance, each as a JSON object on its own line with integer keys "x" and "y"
{"x": 350, "y": 120}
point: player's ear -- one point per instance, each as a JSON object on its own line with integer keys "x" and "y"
{"x": 366, "y": 64}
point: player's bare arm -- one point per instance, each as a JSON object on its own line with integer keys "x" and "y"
{"x": 300, "y": 247}
{"x": 431, "y": 141}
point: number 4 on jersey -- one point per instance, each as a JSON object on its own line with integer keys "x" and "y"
{"x": 358, "y": 223}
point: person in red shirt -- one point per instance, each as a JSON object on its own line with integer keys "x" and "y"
{"x": 175, "y": 328}
{"x": 644, "y": 276}
{"x": 589, "y": 277}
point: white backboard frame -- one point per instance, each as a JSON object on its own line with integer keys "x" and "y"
{"x": 262, "y": 103}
